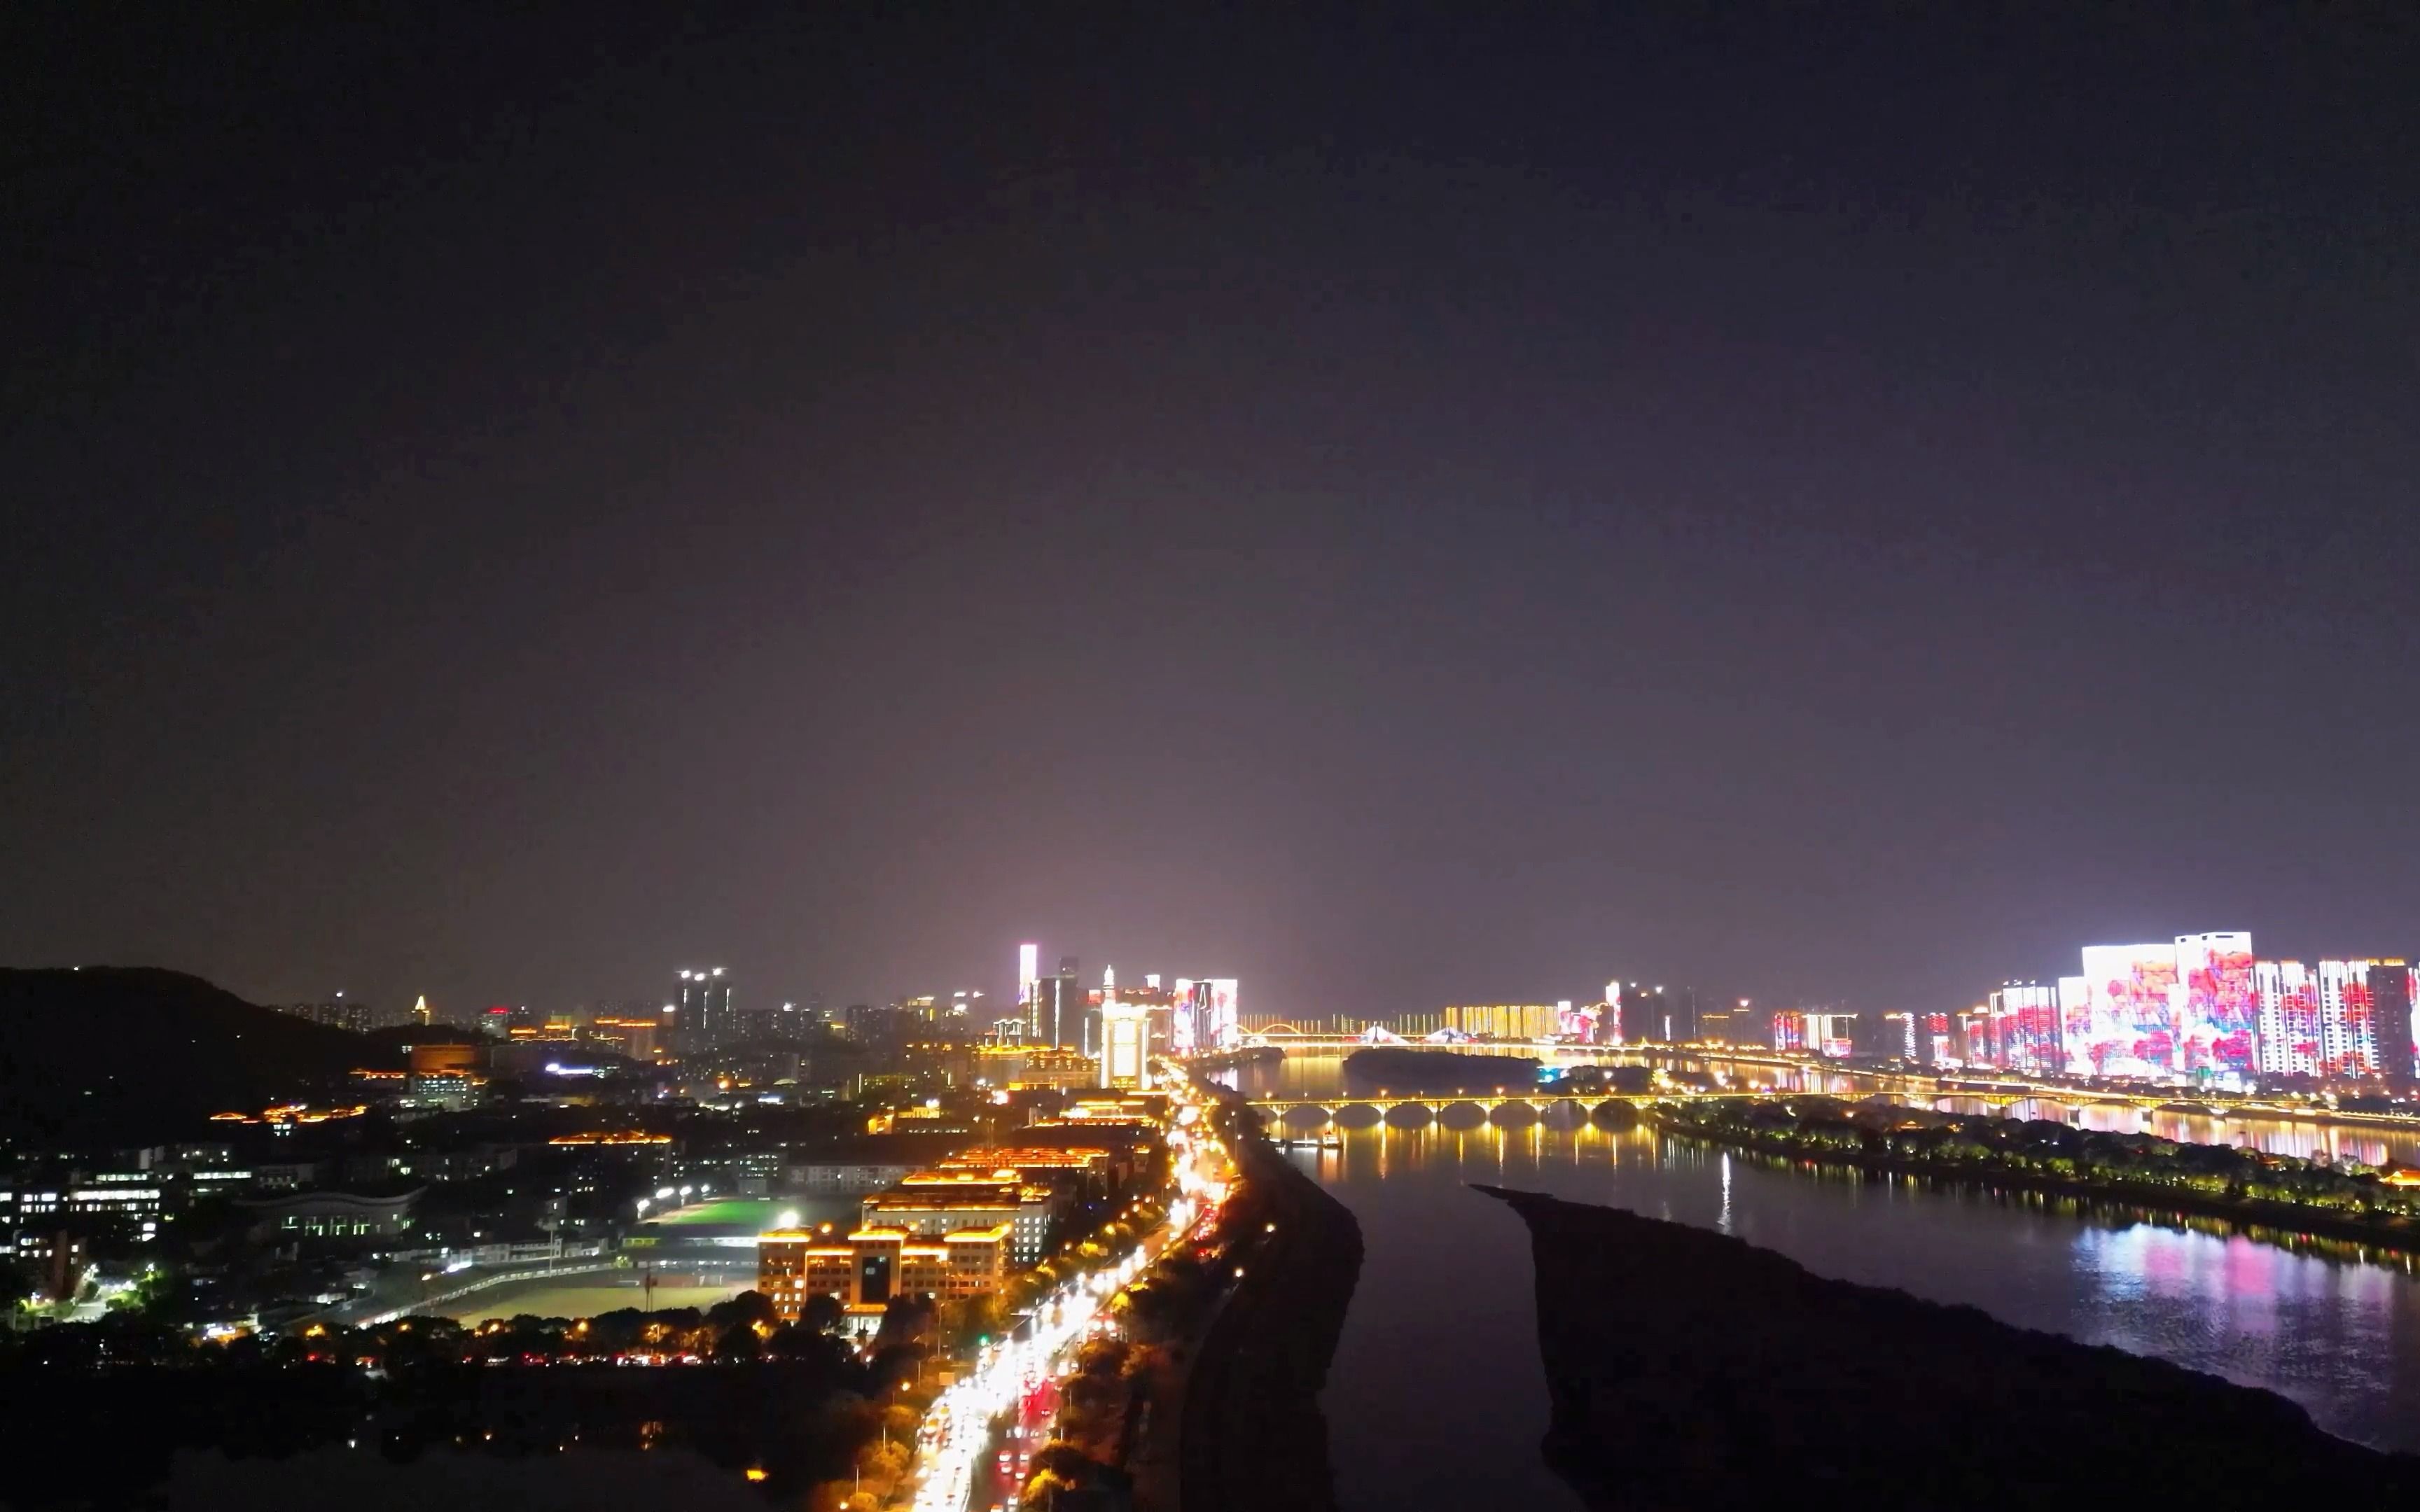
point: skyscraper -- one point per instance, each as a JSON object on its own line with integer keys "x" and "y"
{"x": 705, "y": 1017}
{"x": 1056, "y": 1015}
{"x": 1029, "y": 990}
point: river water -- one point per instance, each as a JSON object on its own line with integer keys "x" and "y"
{"x": 1440, "y": 1347}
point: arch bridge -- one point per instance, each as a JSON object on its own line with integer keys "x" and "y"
{"x": 1382, "y": 1104}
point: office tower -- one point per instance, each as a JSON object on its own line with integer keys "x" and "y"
{"x": 1056, "y": 1016}
{"x": 705, "y": 1016}
{"x": 1029, "y": 990}
{"x": 420, "y": 1012}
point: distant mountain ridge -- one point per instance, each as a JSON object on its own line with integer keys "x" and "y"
{"x": 128, "y": 1054}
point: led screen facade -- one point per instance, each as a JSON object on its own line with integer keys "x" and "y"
{"x": 2348, "y": 1024}
{"x": 2132, "y": 1023}
{"x": 1220, "y": 1023}
{"x": 2288, "y": 1003}
{"x": 2217, "y": 1008}
{"x": 2024, "y": 1031}
{"x": 1187, "y": 1018}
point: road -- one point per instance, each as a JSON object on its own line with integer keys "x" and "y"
{"x": 957, "y": 1451}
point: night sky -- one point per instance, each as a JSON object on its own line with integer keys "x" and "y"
{"x": 1822, "y": 502}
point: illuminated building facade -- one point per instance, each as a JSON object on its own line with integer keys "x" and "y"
{"x": 866, "y": 1271}
{"x": 938, "y": 1202}
{"x": 1503, "y": 1020}
{"x": 632, "y": 1036}
{"x": 2348, "y": 1023}
{"x": 1939, "y": 1049}
{"x": 1125, "y": 1036}
{"x": 2128, "y": 1025}
{"x": 1029, "y": 991}
{"x": 2217, "y": 1010}
{"x": 2286, "y": 1004}
{"x": 2021, "y": 1028}
{"x": 1831, "y": 1034}
{"x": 1202, "y": 1015}
{"x": 2204, "y": 1008}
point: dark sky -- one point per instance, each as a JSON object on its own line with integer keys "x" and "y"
{"x": 1822, "y": 502}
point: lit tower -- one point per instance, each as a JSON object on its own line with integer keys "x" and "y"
{"x": 1029, "y": 990}
{"x": 1125, "y": 1038}
{"x": 420, "y": 1012}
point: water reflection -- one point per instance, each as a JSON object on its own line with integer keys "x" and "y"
{"x": 1446, "y": 1299}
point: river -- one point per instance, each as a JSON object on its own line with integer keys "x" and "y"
{"x": 1440, "y": 1347}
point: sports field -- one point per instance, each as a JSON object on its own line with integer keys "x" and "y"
{"x": 754, "y": 1215}
{"x": 602, "y": 1292}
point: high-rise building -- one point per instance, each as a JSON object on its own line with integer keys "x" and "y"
{"x": 2390, "y": 1001}
{"x": 1789, "y": 1030}
{"x": 2129, "y": 1025}
{"x": 2287, "y": 1003}
{"x": 2348, "y": 1023}
{"x": 1935, "y": 1043}
{"x": 1666, "y": 1015}
{"x": 2217, "y": 1010}
{"x": 2022, "y": 1029}
{"x": 1220, "y": 1027}
{"x": 1831, "y": 1033}
{"x": 420, "y": 1012}
{"x": 1898, "y": 1036}
{"x": 1731, "y": 1020}
{"x": 1125, "y": 1036}
{"x": 1057, "y": 1016}
{"x": 705, "y": 1020}
{"x": 1029, "y": 990}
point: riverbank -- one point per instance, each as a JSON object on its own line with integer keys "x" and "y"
{"x": 2265, "y": 1219}
{"x": 1688, "y": 1369}
{"x": 1251, "y": 1433}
